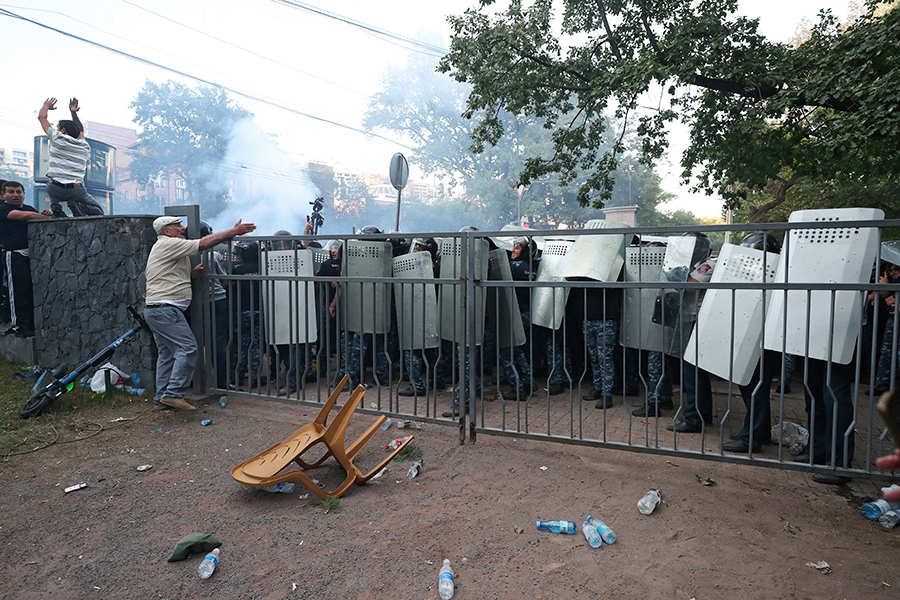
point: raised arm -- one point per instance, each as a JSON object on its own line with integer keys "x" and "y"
{"x": 49, "y": 104}
{"x": 214, "y": 239}
{"x": 73, "y": 108}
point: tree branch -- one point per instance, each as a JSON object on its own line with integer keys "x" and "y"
{"x": 609, "y": 33}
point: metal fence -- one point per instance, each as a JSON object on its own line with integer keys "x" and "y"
{"x": 609, "y": 336}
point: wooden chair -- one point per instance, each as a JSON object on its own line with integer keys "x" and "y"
{"x": 267, "y": 468}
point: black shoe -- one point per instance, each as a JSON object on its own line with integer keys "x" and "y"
{"x": 648, "y": 410}
{"x": 739, "y": 446}
{"x": 831, "y": 479}
{"x": 594, "y": 394}
{"x": 604, "y": 402}
{"x": 555, "y": 389}
{"x": 410, "y": 391}
{"x": 685, "y": 428}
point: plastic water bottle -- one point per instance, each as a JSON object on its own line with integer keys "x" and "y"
{"x": 445, "y": 581}
{"x": 135, "y": 380}
{"x": 285, "y": 487}
{"x": 591, "y": 535}
{"x": 558, "y": 526}
{"x": 209, "y": 564}
{"x": 608, "y": 535}
{"x": 387, "y": 424}
{"x": 206, "y": 422}
{"x": 414, "y": 469}
{"x": 649, "y": 502}
{"x": 393, "y": 444}
{"x": 889, "y": 519}
{"x": 223, "y": 401}
{"x": 874, "y": 510}
{"x": 137, "y": 391}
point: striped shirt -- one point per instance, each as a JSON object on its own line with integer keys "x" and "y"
{"x": 68, "y": 157}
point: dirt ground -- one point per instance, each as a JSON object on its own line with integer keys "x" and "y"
{"x": 749, "y": 536}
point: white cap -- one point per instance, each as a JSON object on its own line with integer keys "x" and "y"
{"x": 161, "y": 223}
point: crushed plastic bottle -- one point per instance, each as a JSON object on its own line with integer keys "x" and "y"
{"x": 393, "y": 444}
{"x": 223, "y": 401}
{"x": 889, "y": 519}
{"x": 414, "y": 469}
{"x": 285, "y": 487}
{"x": 649, "y": 502}
{"x": 386, "y": 425}
{"x": 209, "y": 564}
{"x": 590, "y": 534}
{"x": 608, "y": 535}
{"x": 206, "y": 422}
{"x": 445, "y": 581}
{"x": 558, "y": 526}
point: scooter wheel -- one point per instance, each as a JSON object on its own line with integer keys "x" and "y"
{"x": 36, "y": 405}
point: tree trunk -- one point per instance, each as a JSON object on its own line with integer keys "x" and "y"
{"x": 758, "y": 213}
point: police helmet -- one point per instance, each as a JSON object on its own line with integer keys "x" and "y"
{"x": 205, "y": 229}
{"x": 247, "y": 251}
{"x": 528, "y": 249}
{"x": 762, "y": 241}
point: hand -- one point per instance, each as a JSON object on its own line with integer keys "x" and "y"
{"x": 890, "y": 300}
{"x": 195, "y": 272}
{"x": 308, "y": 229}
{"x": 241, "y": 228}
{"x": 890, "y": 462}
{"x": 46, "y": 212}
{"x": 50, "y": 103}
{"x": 332, "y": 309}
{"x": 73, "y": 105}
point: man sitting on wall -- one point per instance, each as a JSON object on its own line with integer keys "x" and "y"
{"x": 14, "y": 217}
{"x": 169, "y": 275}
{"x": 69, "y": 154}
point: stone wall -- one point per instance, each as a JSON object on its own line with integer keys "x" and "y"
{"x": 85, "y": 272}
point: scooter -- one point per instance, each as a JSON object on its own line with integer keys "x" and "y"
{"x": 52, "y": 384}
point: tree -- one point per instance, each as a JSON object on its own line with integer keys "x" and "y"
{"x": 185, "y": 132}
{"x": 426, "y": 107}
{"x": 828, "y": 108}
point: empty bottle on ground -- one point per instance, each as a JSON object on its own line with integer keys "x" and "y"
{"x": 414, "y": 469}
{"x": 608, "y": 535}
{"x": 445, "y": 582}
{"x": 591, "y": 535}
{"x": 874, "y": 510}
{"x": 649, "y": 502}
{"x": 558, "y": 526}
{"x": 285, "y": 487}
{"x": 209, "y": 564}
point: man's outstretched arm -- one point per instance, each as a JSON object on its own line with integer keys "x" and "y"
{"x": 73, "y": 108}
{"x": 49, "y": 104}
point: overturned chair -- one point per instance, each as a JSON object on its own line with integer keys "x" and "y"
{"x": 270, "y": 467}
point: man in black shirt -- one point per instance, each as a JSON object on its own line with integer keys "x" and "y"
{"x": 14, "y": 217}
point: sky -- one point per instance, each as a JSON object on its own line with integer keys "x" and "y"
{"x": 305, "y": 75}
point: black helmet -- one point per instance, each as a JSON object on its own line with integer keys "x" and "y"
{"x": 282, "y": 232}
{"x": 528, "y": 248}
{"x": 424, "y": 244}
{"x": 762, "y": 241}
{"x": 701, "y": 246}
{"x": 469, "y": 228}
{"x": 205, "y": 229}
{"x": 369, "y": 230}
{"x": 399, "y": 246}
{"x": 247, "y": 251}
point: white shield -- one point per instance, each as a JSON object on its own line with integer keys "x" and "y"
{"x": 548, "y": 304}
{"x": 366, "y": 305}
{"x": 597, "y": 257}
{"x": 510, "y": 331}
{"x": 890, "y": 252}
{"x": 726, "y": 338}
{"x": 453, "y": 297}
{"x": 416, "y": 303}
{"x": 289, "y": 306}
{"x": 831, "y": 254}
{"x": 638, "y": 329}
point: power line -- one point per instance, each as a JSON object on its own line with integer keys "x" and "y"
{"x": 4, "y": 12}
{"x": 411, "y": 44}
{"x": 241, "y": 48}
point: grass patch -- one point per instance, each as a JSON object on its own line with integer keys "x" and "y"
{"x": 70, "y": 417}
{"x": 411, "y": 451}
{"x": 331, "y": 505}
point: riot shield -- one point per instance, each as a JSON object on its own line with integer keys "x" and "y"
{"x": 319, "y": 256}
{"x": 289, "y": 306}
{"x": 365, "y": 306}
{"x": 890, "y": 252}
{"x": 548, "y": 304}
{"x": 510, "y": 330}
{"x": 416, "y": 303}
{"x": 675, "y": 310}
{"x": 453, "y": 297}
{"x": 638, "y": 329}
{"x": 597, "y": 257}
{"x": 726, "y": 338}
{"x": 833, "y": 254}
